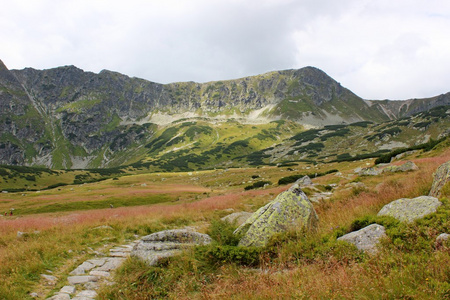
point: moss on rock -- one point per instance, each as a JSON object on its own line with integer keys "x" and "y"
{"x": 289, "y": 210}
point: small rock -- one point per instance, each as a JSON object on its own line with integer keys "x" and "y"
{"x": 68, "y": 289}
{"x": 304, "y": 181}
{"x": 238, "y": 217}
{"x": 59, "y": 296}
{"x": 21, "y": 234}
{"x": 50, "y": 279}
{"x": 442, "y": 239}
{"x": 365, "y": 239}
{"x": 408, "y": 210}
{"x": 34, "y": 295}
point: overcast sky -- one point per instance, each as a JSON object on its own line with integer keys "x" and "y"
{"x": 395, "y": 49}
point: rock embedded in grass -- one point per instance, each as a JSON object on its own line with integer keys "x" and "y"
{"x": 238, "y": 217}
{"x": 291, "y": 209}
{"x": 409, "y": 210}
{"x": 407, "y": 166}
{"x": 154, "y": 247}
{"x": 441, "y": 178}
{"x": 366, "y": 239}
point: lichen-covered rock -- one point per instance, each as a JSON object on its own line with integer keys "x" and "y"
{"x": 365, "y": 239}
{"x": 290, "y": 209}
{"x": 407, "y": 166}
{"x": 152, "y": 248}
{"x": 441, "y": 178}
{"x": 408, "y": 210}
{"x": 238, "y": 217}
{"x": 368, "y": 172}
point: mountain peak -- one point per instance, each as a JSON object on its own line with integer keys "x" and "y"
{"x": 2, "y": 66}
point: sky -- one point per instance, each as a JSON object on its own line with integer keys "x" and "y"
{"x": 379, "y": 49}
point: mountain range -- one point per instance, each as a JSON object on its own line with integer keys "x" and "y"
{"x": 68, "y": 118}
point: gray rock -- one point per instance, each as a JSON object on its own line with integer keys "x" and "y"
{"x": 74, "y": 280}
{"x": 407, "y": 166}
{"x": 369, "y": 172}
{"x": 86, "y": 294}
{"x": 60, "y": 296}
{"x": 440, "y": 178}
{"x": 365, "y": 239}
{"x": 111, "y": 263}
{"x": 408, "y": 210}
{"x": 442, "y": 239}
{"x": 154, "y": 247}
{"x": 291, "y": 209}
{"x": 238, "y": 217}
{"x": 81, "y": 269}
{"x": 100, "y": 273}
{"x": 34, "y": 295}
{"x": 304, "y": 181}
{"x": 68, "y": 289}
{"x": 50, "y": 279}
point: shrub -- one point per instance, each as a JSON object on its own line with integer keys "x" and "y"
{"x": 258, "y": 184}
{"x": 222, "y": 233}
{"x": 217, "y": 255}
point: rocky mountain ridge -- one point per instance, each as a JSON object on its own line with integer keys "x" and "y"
{"x": 66, "y": 117}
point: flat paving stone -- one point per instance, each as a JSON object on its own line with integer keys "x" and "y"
{"x": 60, "y": 296}
{"x": 112, "y": 263}
{"x": 100, "y": 273}
{"x": 81, "y": 269}
{"x": 68, "y": 289}
{"x": 74, "y": 280}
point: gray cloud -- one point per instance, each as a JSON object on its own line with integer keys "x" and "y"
{"x": 379, "y": 49}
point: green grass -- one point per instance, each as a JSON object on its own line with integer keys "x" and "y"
{"x": 98, "y": 204}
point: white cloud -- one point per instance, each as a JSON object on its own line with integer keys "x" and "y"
{"x": 378, "y": 49}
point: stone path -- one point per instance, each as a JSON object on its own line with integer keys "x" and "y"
{"x": 89, "y": 276}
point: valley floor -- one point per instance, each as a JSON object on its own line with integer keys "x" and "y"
{"x": 57, "y": 234}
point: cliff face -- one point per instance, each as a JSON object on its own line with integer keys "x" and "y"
{"x": 65, "y": 117}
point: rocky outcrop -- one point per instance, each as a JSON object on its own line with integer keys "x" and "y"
{"x": 366, "y": 239}
{"x": 408, "y": 210}
{"x": 441, "y": 178}
{"x": 289, "y": 210}
{"x": 154, "y": 247}
{"x": 237, "y": 218}
{"x": 407, "y": 166}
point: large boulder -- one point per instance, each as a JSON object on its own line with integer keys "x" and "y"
{"x": 154, "y": 247}
{"x": 408, "y": 210}
{"x": 238, "y": 217}
{"x": 441, "y": 178}
{"x": 407, "y": 166}
{"x": 365, "y": 239}
{"x": 289, "y": 210}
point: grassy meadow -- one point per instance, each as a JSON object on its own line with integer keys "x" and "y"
{"x": 62, "y": 230}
